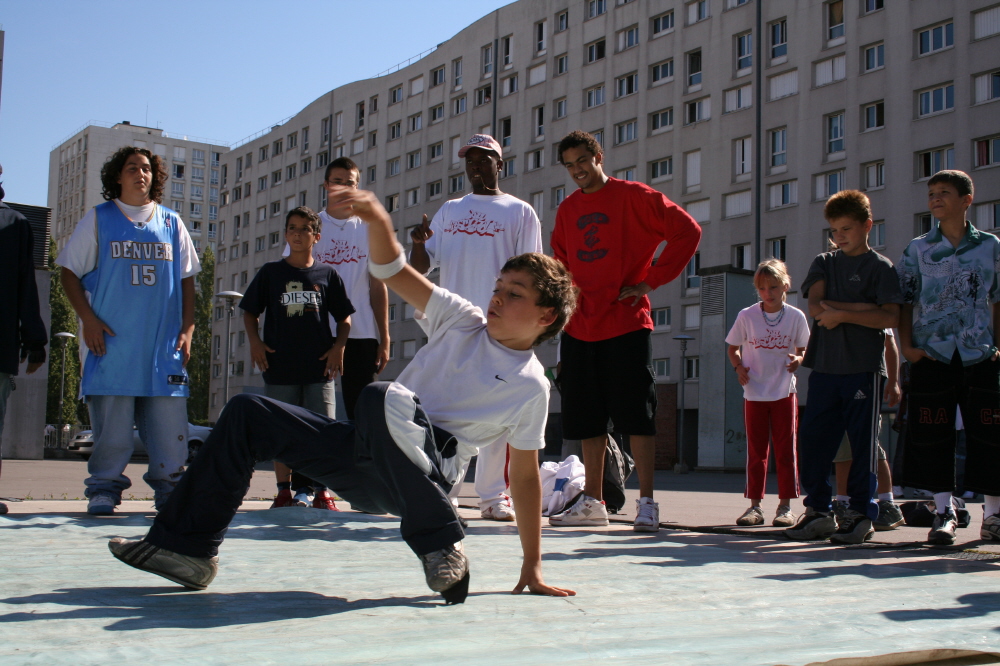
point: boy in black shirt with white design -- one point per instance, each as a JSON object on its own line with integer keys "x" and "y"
{"x": 299, "y": 355}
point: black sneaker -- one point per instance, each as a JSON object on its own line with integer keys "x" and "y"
{"x": 853, "y": 527}
{"x": 447, "y": 572}
{"x": 813, "y": 525}
{"x": 943, "y": 531}
{"x": 889, "y": 516}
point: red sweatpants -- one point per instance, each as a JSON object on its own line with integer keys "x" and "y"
{"x": 766, "y": 422}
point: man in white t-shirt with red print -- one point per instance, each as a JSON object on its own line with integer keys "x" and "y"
{"x": 471, "y": 239}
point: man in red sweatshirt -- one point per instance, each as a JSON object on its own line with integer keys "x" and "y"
{"x": 606, "y": 233}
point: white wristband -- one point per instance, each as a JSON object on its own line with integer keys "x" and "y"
{"x": 383, "y": 271}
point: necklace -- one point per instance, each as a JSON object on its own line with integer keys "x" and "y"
{"x": 776, "y": 320}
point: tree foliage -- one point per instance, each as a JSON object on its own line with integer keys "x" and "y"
{"x": 201, "y": 346}
{"x": 63, "y": 321}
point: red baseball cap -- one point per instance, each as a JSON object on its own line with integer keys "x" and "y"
{"x": 484, "y": 141}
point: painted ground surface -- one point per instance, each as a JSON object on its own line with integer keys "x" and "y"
{"x": 302, "y": 586}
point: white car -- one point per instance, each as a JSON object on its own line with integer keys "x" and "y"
{"x": 83, "y": 443}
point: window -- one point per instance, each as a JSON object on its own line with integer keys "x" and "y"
{"x": 484, "y": 95}
{"x": 213, "y": 212}
{"x": 437, "y": 76}
{"x": 738, "y": 99}
{"x": 415, "y": 122}
{"x": 358, "y": 144}
{"x": 737, "y": 204}
{"x": 456, "y": 183}
{"x": 625, "y": 174}
{"x": 509, "y": 167}
{"x": 177, "y": 189}
{"x": 830, "y": 70}
{"x": 458, "y": 106}
{"x": 392, "y": 203}
{"x": 259, "y": 244}
{"x": 306, "y": 166}
{"x": 661, "y": 367}
{"x": 560, "y": 108}
{"x": 504, "y": 131}
{"x": 324, "y": 134}
{"x": 936, "y": 39}
{"x": 413, "y": 197}
{"x": 692, "y": 170}
{"x": 305, "y": 138}
{"x": 395, "y": 130}
{"x": 873, "y": 116}
{"x": 741, "y": 256}
{"x": 434, "y": 189}
{"x": 197, "y": 174}
{"x": 625, "y": 132}
{"x": 536, "y": 160}
{"x": 293, "y": 140}
{"x": 323, "y": 158}
{"x": 626, "y": 85}
{"x": 936, "y": 100}
{"x": 700, "y": 210}
{"x": 509, "y": 85}
{"x": 874, "y": 57}
{"x": 662, "y": 23}
{"x": 540, "y": 37}
{"x": 506, "y": 56}
{"x": 598, "y": 136}
{"x": 278, "y": 147}
{"x": 275, "y": 208}
{"x": 987, "y": 86}
{"x": 986, "y": 22}
{"x": 179, "y": 153}
{"x": 877, "y": 236}
{"x": 628, "y": 38}
{"x": 456, "y": 73}
{"x": 558, "y": 194}
{"x": 988, "y": 215}
{"x": 263, "y": 153}
{"x": 595, "y": 97}
{"x": 872, "y": 6}
{"x": 177, "y": 171}
{"x": 691, "y": 278}
{"x": 783, "y": 85}
{"x": 487, "y": 59}
{"x": 276, "y": 177}
{"x": 779, "y": 39}
{"x": 697, "y": 11}
{"x": 874, "y": 175}
{"x": 662, "y": 72}
{"x": 395, "y": 95}
{"x": 987, "y": 151}
{"x": 290, "y": 171}
{"x": 742, "y": 162}
{"x": 835, "y": 20}
{"x": 596, "y": 8}
{"x": 834, "y": 133}
{"x": 924, "y": 224}
{"x": 661, "y": 318}
{"x": 372, "y": 174}
{"x": 595, "y": 51}
{"x": 779, "y": 146}
{"x": 261, "y": 213}
{"x": 538, "y": 120}
{"x": 413, "y": 159}
{"x": 661, "y": 121}
{"x": 214, "y": 177}
{"x": 828, "y": 184}
{"x": 776, "y": 248}
{"x": 694, "y": 68}
{"x": 562, "y": 64}
{"x": 392, "y": 167}
{"x": 744, "y": 53}
{"x": 697, "y": 111}
{"x": 562, "y": 21}
{"x": 195, "y": 209}
{"x": 409, "y": 348}
{"x": 661, "y": 169}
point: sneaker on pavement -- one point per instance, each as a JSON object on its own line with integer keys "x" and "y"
{"x": 500, "y": 510}
{"x": 586, "y": 511}
{"x": 447, "y": 572}
{"x": 839, "y": 509}
{"x": 324, "y": 500}
{"x": 752, "y": 516}
{"x": 943, "y": 530}
{"x": 889, "y": 516}
{"x": 783, "y": 517}
{"x": 813, "y": 525}
{"x": 193, "y": 572}
{"x": 101, "y": 504}
{"x": 853, "y": 527}
{"x": 282, "y": 499}
{"x": 647, "y": 515}
{"x": 3, "y": 509}
{"x": 300, "y": 499}
{"x": 991, "y": 528}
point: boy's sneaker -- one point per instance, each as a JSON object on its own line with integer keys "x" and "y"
{"x": 752, "y": 516}
{"x": 853, "y": 527}
{"x": 447, "y": 572}
{"x": 500, "y": 510}
{"x": 300, "y": 499}
{"x": 889, "y": 516}
{"x": 283, "y": 499}
{"x": 647, "y": 515}
{"x": 783, "y": 517}
{"x": 3, "y": 509}
{"x": 324, "y": 500}
{"x": 193, "y": 572}
{"x": 101, "y": 504}
{"x": 586, "y": 511}
{"x": 991, "y": 528}
{"x": 943, "y": 531}
{"x": 813, "y": 525}
{"x": 839, "y": 509}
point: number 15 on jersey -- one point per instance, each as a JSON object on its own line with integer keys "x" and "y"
{"x": 143, "y": 275}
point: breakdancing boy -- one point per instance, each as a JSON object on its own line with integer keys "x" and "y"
{"x": 477, "y": 380}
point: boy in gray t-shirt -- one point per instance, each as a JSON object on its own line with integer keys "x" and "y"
{"x": 853, "y": 296}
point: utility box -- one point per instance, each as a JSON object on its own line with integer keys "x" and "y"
{"x": 722, "y": 438}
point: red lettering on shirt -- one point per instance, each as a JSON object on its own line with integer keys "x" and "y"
{"x": 340, "y": 252}
{"x": 772, "y": 340}
{"x": 475, "y": 224}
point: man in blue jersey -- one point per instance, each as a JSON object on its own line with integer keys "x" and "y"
{"x": 128, "y": 271}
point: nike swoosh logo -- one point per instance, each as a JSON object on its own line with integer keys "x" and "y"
{"x": 501, "y": 378}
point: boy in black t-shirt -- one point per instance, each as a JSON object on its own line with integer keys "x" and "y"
{"x": 299, "y": 355}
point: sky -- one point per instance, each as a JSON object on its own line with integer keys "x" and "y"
{"x": 214, "y": 69}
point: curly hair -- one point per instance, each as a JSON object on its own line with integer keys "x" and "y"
{"x": 554, "y": 285}
{"x": 112, "y": 171}
{"x": 578, "y": 138}
{"x": 848, "y": 203}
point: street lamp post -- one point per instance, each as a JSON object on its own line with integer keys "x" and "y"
{"x": 681, "y": 466}
{"x": 64, "y": 339}
{"x": 230, "y": 298}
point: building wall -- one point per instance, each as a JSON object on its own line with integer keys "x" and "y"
{"x": 726, "y": 199}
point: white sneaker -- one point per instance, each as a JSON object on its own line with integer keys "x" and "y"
{"x": 586, "y": 511}
{"x": 647, "y": 515}
{"x": 101, "y": 504}
{"x": 500, "y": 510}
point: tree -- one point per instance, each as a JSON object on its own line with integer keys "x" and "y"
{"x": 63, "y": 321}
{"x": 201, "y": 346}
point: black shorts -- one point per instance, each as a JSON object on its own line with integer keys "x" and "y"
{"x": 608, "y": 386}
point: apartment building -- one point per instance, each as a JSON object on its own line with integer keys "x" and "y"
{"x": 192, "y": 169}
{"x": 750, "y": 114}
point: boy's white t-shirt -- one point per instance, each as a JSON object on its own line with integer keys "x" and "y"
{"x": 475, "y": 236}
{"x": 474, "y": 387}
{"x": 765, "y": 350}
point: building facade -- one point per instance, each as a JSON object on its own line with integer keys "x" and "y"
{"x": 747, "y": 113}
{"x": 193, "y": 168}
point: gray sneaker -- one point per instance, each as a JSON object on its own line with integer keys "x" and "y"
{"x": 752, "y": 516}
{"x": 447, "y": 572}
{"x": 813, "y": 525}
{"x": 889, "y": 516}
{"x": 943, "y": 530}
{"x": 783, "y": 517}
{"x": 839, "y": 509}
{"x": 193, "y": 572}
{"x": 991, "y": 528}
{"x": 853, "y": 527}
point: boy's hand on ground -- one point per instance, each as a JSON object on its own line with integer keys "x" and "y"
{"x": 635, "y": 292}
{"x": 794, "y": 361}
{"x": 93, "y": 334}
{"x": 830, "y": 317}
{"x": 743, "y": 374}
{"x": 892, "y": 394}
{"x": 531, "y": 577}
{"x": 914, "y": 354}
{"x": 420, "y": 235}
{"x": 383, "y": 356}
{"x": 258, "y": 354}
{"x": 184, "y": 345}
{"x": 334, "y": 358}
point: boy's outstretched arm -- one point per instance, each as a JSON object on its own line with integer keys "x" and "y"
{"x": 526, "y": 490}
{"x": 382, "y": 246}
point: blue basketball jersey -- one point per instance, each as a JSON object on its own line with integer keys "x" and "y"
{"x": 136, "y": 290}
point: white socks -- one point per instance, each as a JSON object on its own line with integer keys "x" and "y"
{"x": 942, "y": 501}
{"x": 885, "y": 496}
{"x": 843, "y": 498}
{"x": 991, "y": 504}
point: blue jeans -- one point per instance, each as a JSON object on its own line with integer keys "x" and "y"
{"x": 162, "y": 424}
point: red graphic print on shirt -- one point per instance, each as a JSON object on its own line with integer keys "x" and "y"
{"x": 476, "y": 224}
{"x": 340, "y": 252}
{"x": 772, "y": 340}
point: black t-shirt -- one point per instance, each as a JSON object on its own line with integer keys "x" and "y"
{"x": 298, "y": 303}
{"x": 850, "y": 348}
